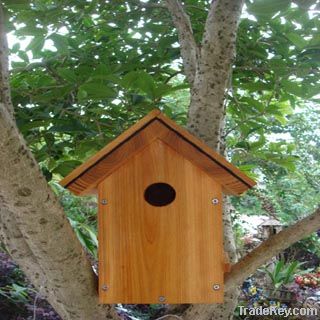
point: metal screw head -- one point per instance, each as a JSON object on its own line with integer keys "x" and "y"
{"x": 104, "y": 201}
{"x": 215, "y": 201}
{"x": 162, "y": 299}
{"x": 216, "y": 287}
{"x": 104, "y": 287}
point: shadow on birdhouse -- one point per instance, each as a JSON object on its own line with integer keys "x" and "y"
{"x": 160, "y": 214}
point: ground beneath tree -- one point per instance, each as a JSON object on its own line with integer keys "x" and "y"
{"x": 18, "y": 299}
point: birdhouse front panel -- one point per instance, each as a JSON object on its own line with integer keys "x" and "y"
{"x": 160, "y": 231}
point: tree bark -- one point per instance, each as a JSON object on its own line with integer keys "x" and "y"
{"x": 188, "y": 47}
{"x": 5, "y": 94}
{"x": 207, "y": 107}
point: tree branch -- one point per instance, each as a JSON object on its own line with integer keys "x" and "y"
{"x": 271, "y": 247}
{"x": 221, "y": 28}
{"x": 5, "y": 95}
{"x": 220, "y": 33}
{"x": 188, "y": 46}
{"x": 207, "y": 108}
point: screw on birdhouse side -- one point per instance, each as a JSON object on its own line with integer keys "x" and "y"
{"x": 216, "y": 287}
{"x": 162, "y": 299}
{"x": 104, "y": 287}
{"x": 215, "y": 201}
{"x": 104, "y": 201}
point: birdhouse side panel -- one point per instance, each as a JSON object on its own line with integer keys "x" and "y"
{"x": 160, "y": 231}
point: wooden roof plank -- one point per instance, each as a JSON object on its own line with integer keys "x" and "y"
{"x": 155, "y": 125}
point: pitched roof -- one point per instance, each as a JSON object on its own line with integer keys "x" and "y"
{"x": 271, "y": 222}
{"x": 85, "y": 178}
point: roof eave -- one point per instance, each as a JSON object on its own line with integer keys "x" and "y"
{"x": 69, "y": 181}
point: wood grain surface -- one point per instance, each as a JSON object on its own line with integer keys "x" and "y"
{"x": 148, "y": 252}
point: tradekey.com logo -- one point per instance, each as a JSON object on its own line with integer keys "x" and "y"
{"x": 282, "y": 312}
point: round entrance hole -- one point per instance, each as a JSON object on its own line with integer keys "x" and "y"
{"x": 159, "y": 194}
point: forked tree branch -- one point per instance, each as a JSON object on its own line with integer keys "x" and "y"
{"x": 271, "y": 247}
{"x": 188, "y": 46}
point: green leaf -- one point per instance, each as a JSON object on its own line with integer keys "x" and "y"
{"x": 258, "y": 144}
{"x": 92, "y": 233}
{"x": 15, "y": 48}
{"x": 129, "y": 79}
{"x": 290, "y": 271}
{"x": 82, "y": 94}
{"x": 267, "y": 8}
{"x": 255, "y": 86}
{"x": 30, "y": 30}
{"x": 279, "y": 66}
{"x": 23, "y": 56}
{"x": 142, "y": 81}
{"x": 297, "y": 40}
{"x": 95, "y": 90}
{"x": 87, "y": 21}
{"x": 288, "y": 163}
{"x": 278, "y": 268}
{"x": 60, "y": 42}
{"x": 66, "y": 167}
{"x": 293, "y": 88}
{"x": 36, "y": 45}
{"x": 163, "y": 90}
{"x": 283, "y": 120}
{"x": 248, "y": 170}
{"x": 71, "y": 125}
{"x": 255, "y": 104}
{"x": 147, "y": 85}
{"x": 67, "y": 74}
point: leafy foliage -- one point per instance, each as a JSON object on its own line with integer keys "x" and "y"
{"x": 101, "y": 66}
{"x": 81, "y": 213}
{"x": 83, "y": 72}
{"x": 282, "y": 273}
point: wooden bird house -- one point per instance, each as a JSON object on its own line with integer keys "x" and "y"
{"x": 270, "y": 227}
{"x": 160, "y": 214}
